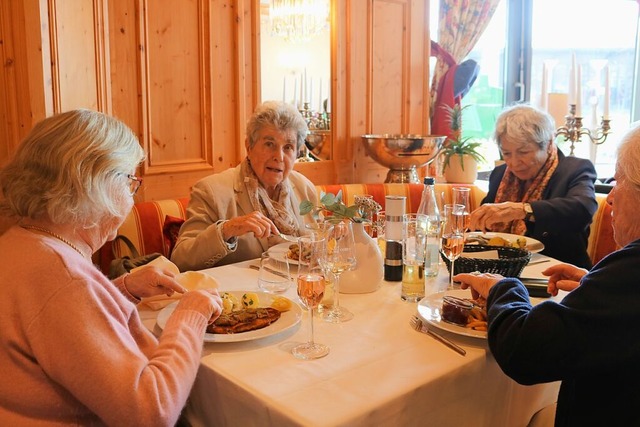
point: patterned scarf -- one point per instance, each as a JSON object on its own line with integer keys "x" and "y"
{"x": 274, "y": 209}
{"x": 512, "y": 189}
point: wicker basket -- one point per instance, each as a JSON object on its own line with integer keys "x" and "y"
{"x": 510, "y": 263}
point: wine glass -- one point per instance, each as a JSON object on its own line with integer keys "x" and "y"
{"x": 311, "y": 286}
{"x": 452, "y": 236}
{"x": 461, "y": 197}
{"x": 339, "y": 256}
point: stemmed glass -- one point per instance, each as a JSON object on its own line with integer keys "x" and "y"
{"x": 461, "y": 197}
{"x": 311, "y": 286}
{"x": 339, "y": 256}
{"x": 453, "y": 236}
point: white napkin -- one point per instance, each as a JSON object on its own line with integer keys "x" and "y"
{"x": 191, "y": 280}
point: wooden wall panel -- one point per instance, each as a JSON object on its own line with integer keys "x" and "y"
{"x": 394, "y": 72}
{"x": 389, "y": 71}
{"x": 77, "y": 53}
{"x": 174, "y": 85}
{"x": 184, "y": 75}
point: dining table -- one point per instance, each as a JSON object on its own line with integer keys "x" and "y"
{"x": 379, "y": 371}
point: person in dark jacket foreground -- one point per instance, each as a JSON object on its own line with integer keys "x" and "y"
{"x": 589, "y": 340}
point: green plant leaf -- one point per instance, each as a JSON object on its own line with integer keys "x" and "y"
{"x": 305, "y": 207}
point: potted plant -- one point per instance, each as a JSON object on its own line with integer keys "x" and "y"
{"x": 460, "y": 155}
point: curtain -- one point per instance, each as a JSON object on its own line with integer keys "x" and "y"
{"x": 461, "y": 23}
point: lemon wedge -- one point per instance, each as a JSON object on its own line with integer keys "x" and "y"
{"x": 281, "y": 304}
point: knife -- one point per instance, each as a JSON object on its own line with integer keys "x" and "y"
{"x": 270, "y": 270}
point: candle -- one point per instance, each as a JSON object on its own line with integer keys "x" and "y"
{"x": 301, "y": 93}
{"x": 605, "y": 114}
{"x": 579, "y": 92}
{"x": 310, "y": 93}
{"x": 284, "y": 89}
{"x": 572, "y": 80}
{"x": 305, "y": 98}
{"x": 295, "y": 92}
{"x": 320, "y": 96}
{"x": 543, "y": 91}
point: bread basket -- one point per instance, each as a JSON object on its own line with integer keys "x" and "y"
{"x": 510, "y": 263}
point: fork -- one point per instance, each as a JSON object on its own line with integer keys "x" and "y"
{"x": 288, "y": 238}
{"x": 419, "y": 326}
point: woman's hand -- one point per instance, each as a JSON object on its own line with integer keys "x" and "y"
{"x": 480, "y": 283}
{"x": 487, "y": 216}
{"x": 255, "y": 223}
{"x": 193, "y": 300}
{"x": 565, "y": 277}
{"x": 151, "y": 281}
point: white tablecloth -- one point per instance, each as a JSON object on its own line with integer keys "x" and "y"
{"x": 379, "y": 371}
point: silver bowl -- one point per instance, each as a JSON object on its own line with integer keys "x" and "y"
{"x": 402, "y": 154}
{"x": 319, "y": 143}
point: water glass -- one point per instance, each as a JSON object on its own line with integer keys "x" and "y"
{"x": 274, "y": 276}
{"x": 414, "y": 243}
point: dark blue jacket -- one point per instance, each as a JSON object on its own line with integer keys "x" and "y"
{"x": 563, "y": 216}
{"x": 589, "y": 341}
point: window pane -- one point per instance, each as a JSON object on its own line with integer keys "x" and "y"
{"x": 602, "y": 33}
{"x": 485, "y": 98}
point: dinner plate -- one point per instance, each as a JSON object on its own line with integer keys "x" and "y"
{"x": 287, "y": 320}
{"x": 279, "y": 252}
{"x": 533, "y": 245}
{"x": 429, "y": 309}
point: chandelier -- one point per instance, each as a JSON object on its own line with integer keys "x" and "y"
{"x": 298, "y": 20}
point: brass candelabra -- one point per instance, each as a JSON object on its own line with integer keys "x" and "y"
{"x": 573, "y": 130}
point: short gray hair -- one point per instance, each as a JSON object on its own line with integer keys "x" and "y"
{"x": 628, "y": 159}
{"x": 279, "y": 114}
{"x": 526, "y": 124}
{"x": 71, "y": 168}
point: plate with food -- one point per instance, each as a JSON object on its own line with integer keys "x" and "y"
{"x": 463, "y": 315}
{"x": 287, "y": 250}
{"x": 456, "y": 312}
{"x": 247, "y": 316}
{"x": 504, "y": 239}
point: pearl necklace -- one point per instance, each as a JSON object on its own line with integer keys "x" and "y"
{"x": 57, "y": 236}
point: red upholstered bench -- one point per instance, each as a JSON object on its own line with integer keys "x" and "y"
{"x": 413, "y": 193}
{"x": 601, "y": 241}
{"x": 144, "y": 225}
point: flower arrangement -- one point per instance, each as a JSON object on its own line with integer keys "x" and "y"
{"x": 362, "y": 210}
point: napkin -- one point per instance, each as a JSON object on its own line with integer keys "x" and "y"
{"x": 191, "y": 280}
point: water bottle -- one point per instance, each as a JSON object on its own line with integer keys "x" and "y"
{"x": 429, "y": 208}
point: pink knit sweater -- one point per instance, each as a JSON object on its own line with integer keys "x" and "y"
{"x": 73, "y": 350}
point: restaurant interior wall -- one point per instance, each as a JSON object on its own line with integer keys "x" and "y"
{"x": 185, "y": 77}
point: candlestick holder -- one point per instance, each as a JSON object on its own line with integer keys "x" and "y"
{"x": 573, "y": 130}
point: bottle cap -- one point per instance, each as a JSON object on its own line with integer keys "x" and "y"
{"x": 428, "y": 180}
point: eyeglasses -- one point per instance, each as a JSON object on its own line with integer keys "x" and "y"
{"x": 134, "y": 183}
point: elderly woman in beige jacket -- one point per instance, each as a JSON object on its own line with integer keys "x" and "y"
{"x": 237, "y": 214}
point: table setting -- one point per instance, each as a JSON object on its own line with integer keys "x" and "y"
{"x": 390, "y": 363}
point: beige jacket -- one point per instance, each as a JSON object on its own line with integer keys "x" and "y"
{"x": 220, "y": 197}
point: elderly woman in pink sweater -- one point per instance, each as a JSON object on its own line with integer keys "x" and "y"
{"x": 73, "y": 349}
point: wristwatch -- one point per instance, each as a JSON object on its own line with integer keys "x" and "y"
{"x": 528, "y": 212}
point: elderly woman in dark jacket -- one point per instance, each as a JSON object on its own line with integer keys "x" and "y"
{"x": 538, "y": 192}
{"x": 589, "y": 339}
